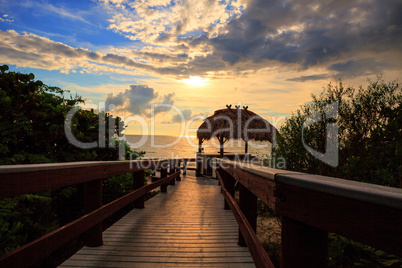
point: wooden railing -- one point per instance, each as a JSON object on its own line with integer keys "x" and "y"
{"x": 310, "y": 206}
{"x": 23, "y": 179}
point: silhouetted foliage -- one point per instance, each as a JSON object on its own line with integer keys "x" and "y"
{"x": 32, "y": 131}
{"x": 370, "y": 135}
{"x": 370, "y": 150}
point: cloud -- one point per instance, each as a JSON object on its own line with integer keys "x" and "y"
{"x": 6, "y": 18}
{"x": 235, "y": 35}
{"x": 309, "y": 77}
{"x": 185, "y": 114}
{"x": 161, "y": 21}
{"x": 165, "y": 104}
{"x": 227, "y": 38}
{"x": 361, "y": 67}
{"x": 308, "y": 35}
{"x": 63, "y": 12}
{"x": 138, "y": 100}
{"x": 30, "y": 50}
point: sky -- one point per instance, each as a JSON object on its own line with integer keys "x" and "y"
{"x": 188, "y": 58}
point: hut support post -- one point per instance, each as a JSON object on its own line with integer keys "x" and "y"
{"x": 221, "y": 150}
{"x": 246, "y": 147}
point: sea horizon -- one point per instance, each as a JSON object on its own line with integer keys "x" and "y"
{"x": 187, "y": 146}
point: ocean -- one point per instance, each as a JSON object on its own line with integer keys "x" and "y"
{"x": 170, "y": 146}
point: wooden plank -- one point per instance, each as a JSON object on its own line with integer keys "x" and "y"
{"x": 371, "y": 224}
{"x": 365, "y": 192}
{"x": 172, "y": 231}
{"x": 23, "y": 179}
{"x": 260, "y": 182}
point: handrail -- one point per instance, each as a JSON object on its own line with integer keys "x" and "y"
{"x": 314, "y": 205}
{"x": 33, "y": 178}
{"x": 260, "y": 257}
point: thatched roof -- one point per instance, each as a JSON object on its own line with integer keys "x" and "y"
{"x": 236, "y": 123}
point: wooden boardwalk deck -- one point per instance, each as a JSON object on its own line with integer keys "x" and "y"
{"x": 187, "y": 227}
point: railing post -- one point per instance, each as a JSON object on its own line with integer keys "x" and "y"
{"x": 138, "y": 178}
{"x": 178, "y": 169}
{"x": 303, "y": 245}
{"x": 229, "y": 182}
{"x": 92, "y": 201}
{"x": 171, "y": 171}
{"x": 185, "y": 163}
{"x": 164, "y": 175}
{"x": 198, "y": 165}
{"x": 248, "y": 205}
{"x": 219, "y": 170}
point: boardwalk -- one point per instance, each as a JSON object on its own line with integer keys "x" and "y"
{"x": 187, "y": 227}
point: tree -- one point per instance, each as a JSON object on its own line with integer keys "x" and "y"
{"x": 32, "y": 118}
{"x": 370, "y": 133}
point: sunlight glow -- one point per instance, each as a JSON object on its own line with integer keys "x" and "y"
{"x": 196, "y": 81}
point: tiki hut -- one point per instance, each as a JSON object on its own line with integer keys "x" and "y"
{"x": 235, "y": 123}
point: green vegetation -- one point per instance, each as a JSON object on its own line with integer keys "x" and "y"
{"x": 370, "y": 134}
{"x": 370, "y": 150}
{"x": 32, "y": 118}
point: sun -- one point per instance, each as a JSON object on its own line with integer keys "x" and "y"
{"x": 196, "y": 81}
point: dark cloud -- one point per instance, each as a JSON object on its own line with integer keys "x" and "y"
{"x": 309, "y": 77}
{"x": 185, "y": 114}
{"x": 164, "y": 104}
{"x": 339, "y": 35}
{"x": 137, "y": 100}
{"x": 310, "y": 33}
{"x": 360, "y": 67}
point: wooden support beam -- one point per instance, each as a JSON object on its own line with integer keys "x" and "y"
{"x": 93, "y": 201}
{"x": 164, "y": 174}
{"x": 229, "y": 184}
{"x": 138, "y": 178}
{"x": 303, "y": 245}
{"x": 178, "y": 169}
{"x": 172, "y": 171}
{"x": 248, "y": 205}
{"x": 185, "y": 164}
